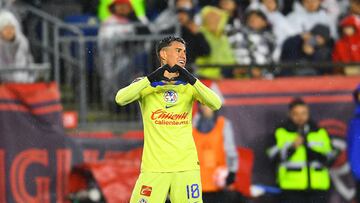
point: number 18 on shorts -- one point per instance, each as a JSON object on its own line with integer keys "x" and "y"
{"x": 181, "y": 187}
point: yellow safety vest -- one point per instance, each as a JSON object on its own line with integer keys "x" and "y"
{"x": 296, "y": 172}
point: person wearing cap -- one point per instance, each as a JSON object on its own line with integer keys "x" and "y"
{"x": 138, "y": 6}
{"x": 114, "y": 53}
{"x": 353, "y": 142}
{"x": 302, "y": 153}
{"x": 313, "y": 46}
{"x": 14, "y": 50}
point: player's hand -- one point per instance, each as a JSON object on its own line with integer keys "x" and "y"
{"x": 184, "y": 75}
{"x": 230, "y": 179}
{"x": 158, "y": 74}
{"x": 298, "y": 141}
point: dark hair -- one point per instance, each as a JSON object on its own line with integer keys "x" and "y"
{"x": 258, "y": 13}
{"x": 297, "y": 102}
{"x": 167, "y": 42}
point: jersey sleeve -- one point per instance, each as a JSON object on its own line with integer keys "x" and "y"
{"x": 206, "y": 96}
{"x": 131, "y": 92}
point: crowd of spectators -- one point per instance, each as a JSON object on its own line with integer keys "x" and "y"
{"x": 255, "y": 32}
{"x": 229, "y": 32}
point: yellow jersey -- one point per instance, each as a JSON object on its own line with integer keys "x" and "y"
{"x": 167, "y": 119}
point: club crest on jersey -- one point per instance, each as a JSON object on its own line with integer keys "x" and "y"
{"x": 143, "y": 200}
{"x": 170, "y": 96}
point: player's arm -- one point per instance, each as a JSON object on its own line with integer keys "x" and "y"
{"x": 202, "y": 93}
{"x": 206, "y": 96}
{"x": 131, "y": 92}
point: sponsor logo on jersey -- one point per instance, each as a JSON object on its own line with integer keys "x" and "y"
{"x": 170, "y": 96}
{"x": 143, "y": 200}
{"x": 163, "y": 117}
{"x": 146, "y": 190}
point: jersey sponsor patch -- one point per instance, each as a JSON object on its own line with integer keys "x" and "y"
{"x": 170, "y": 96}
{"x": 146, "y": 190}
{"x": 163, "y": 117}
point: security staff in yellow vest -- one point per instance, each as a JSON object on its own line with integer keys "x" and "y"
{"x": 214, "y": 140}
{"x": 302, "y": 152}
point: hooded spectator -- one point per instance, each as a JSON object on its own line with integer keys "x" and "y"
{"x": 213, "y": 24}
{"x": 254, "y": 43}
{"x": 353, "y": 144}
{"x": 313, "y": 46}
{"x": 347, "y": 48}
{"x": 14, "y": 50}
{"x": 307, "y": 14}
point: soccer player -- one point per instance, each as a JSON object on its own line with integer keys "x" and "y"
{"x": 170, "y": 163}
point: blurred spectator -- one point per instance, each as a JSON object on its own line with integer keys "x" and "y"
{"x": 353, "y": 138}
{"x": 333, "y": 8}
{"x": 114, "y": 55}
{"x": 213, "y": 25}
{"x": 138, "y": 6}
{"x": 313, "y": 46}
{"x": 282, "y": 29}
{"x": 307, "y": 14}
{"x": 302, "y": 152}
{"x": 347, "y": 48}
{"x": 355, "y": 7}
{"x": 254, "y": 43}
{"x": 14, "y": 50}
{"x": 167, "y": 20}
{"x": 233, "y": 10}
{"x": 195, "y": 40}
{"x": 214, "y": 139}
{"x": 286, "y": 6}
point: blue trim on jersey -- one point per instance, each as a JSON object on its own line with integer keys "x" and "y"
{"x": 160, "y": 83}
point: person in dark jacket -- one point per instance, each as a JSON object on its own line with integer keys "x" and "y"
{"x": 302, "y": 153}
{"x": 190, "y": 31}
{"x": 313, "y": 46}
{"x": 353, "y": 138}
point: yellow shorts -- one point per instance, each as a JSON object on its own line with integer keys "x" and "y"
{"x": 183, "y": 187}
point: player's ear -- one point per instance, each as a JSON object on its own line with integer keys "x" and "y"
{"x": 162, "y": 54}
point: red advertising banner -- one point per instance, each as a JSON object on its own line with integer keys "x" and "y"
{"x": 36, "y": 155}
